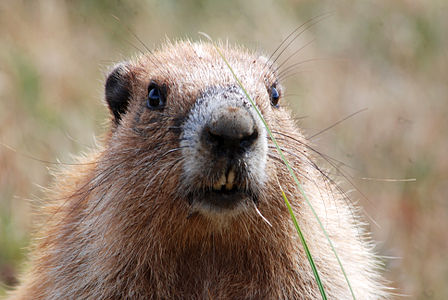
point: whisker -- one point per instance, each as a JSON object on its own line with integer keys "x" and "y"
{"x": 337, "y": 123}
{"x": 291, "y": 67}
{"x": 310, "y": 23}
{"x": 42, "y": 160}
{"x": 329, "y": 183}
{"x": 313, "y": 149}
{"x": 171, "y": 168}
{"x": 275, "y": 156}
{"x": 293, "y": 54}
{"x": 325, "y": 158}
{"x": 292, "y": 33}
{"x": 134, "y": 46}
{"x": 290, "y": 75}
{"x": 151, "y": 56}
{"x": 103, "y": 176}
{"x": 332, "y": 164}
{"x": 259, "y": 213}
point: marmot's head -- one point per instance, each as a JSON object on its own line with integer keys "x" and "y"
{"x": 186, "y": 130}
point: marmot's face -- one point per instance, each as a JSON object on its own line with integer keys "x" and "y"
{"x": 224, "y": 147}
{"x": 184, "y": 106}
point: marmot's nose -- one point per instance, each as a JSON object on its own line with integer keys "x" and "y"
{"x": 232, "y": 130}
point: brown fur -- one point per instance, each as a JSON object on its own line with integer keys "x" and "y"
{"x": 116, "y": 227}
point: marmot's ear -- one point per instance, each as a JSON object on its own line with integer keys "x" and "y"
{"x": 118, "y": 91}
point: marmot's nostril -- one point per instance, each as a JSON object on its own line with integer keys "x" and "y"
{"x": 246, "y": 141}
{"x": 233, "y": 132}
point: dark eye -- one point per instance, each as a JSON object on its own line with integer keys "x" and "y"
{"x": 275, "y": 96}
{"x": 156, "y": 96}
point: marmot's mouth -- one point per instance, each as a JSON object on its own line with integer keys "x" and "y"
{"x": 223, "y": 199}
{"x": 226, "y": 193}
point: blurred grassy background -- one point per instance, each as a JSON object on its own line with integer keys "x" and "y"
{"x": 388, "y": 56}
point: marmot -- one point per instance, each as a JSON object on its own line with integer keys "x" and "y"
{"x": 172, "y": 205}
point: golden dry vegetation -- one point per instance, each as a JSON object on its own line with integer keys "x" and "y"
{"x": 388, "y": 57}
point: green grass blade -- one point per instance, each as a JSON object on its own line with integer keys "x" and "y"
{"x": 305, "y": 245}
{"x": 291, "y": 172}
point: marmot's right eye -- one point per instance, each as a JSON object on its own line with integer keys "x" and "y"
{"x": 156, "y": 96}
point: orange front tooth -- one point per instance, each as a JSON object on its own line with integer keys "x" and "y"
{"x": 230, "y": 179}
{"x": 222, "y": 181}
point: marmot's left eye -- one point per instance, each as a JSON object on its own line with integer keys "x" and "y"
{"x": 275, "y": 97}
{"x": 156, "y": 97}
